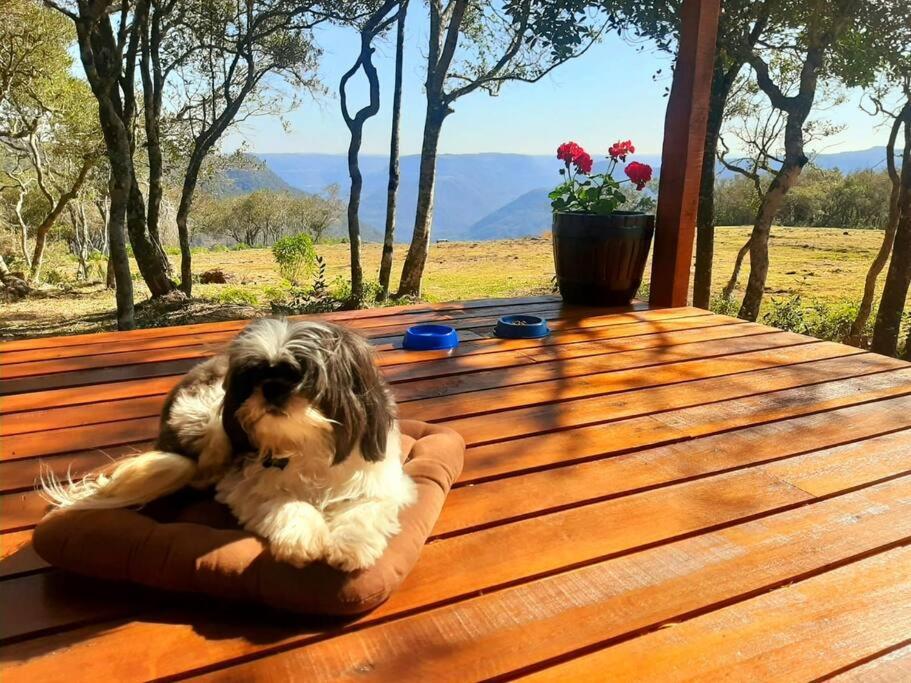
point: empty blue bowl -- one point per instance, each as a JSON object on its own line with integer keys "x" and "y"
{"x": 521, "y": 327}
{"x": 430, "y": 338}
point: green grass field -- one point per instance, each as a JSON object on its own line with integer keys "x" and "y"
{"x": 822, "y": 263}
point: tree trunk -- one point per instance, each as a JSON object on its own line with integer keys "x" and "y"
{"x": 728, "y": 290}
{"x": 722, "y": 81}
{"x": 354, "y": 206}
{"x": 150, "y": 257}
{"x": 898, "y": 278}
{"x": 190, "y": 179}
{"x": 119, "y": 191}
{"x": 51, "y": 218}
{"x": 855, "y": 338}
{"x": 392, "y": 190}
{"x": 759, "y": 239}
{"x": 413, "y": 268}
{"x": 17, "y": 287}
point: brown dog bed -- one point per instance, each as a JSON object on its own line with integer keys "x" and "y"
{"x": 188, "y": 542}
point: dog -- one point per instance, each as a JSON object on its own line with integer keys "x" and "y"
{"x": 297, "y": 431}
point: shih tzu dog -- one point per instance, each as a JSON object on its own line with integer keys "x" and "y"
{"x": 295, "y": 427}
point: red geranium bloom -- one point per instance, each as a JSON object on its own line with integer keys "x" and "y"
{"x": 568, "y": 151}
{"x": 571, "y": 153}
{"x": 638, "y": 173}
{"x": 583, "y": 162}
{"x": 620, "y": 150}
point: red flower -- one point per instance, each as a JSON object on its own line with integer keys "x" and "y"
{"x": 571, "y": 153}
{"x": 619, "y": 150}
{"x": 638, "y": 173}
{"x": 583, "y": 162}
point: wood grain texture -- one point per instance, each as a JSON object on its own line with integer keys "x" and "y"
{"x": 774, "y": 636}
{"x": 636, "y": 469}
{"x": 494, "y": 634}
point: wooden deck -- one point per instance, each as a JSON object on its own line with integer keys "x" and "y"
{"x": 647, "y": 494}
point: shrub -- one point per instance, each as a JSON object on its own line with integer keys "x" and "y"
{"x": 724, "y": 305}
{"x": 295, "y": 256}
{"x": 317, "y": 299}
{"x": 830, "y": 321}
{"x": 237, "y": 295}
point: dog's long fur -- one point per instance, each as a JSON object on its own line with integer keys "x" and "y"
{"x": 305, "y": 394}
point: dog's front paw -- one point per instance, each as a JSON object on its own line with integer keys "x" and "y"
{"x": 297, "y": 534}
{"x": 352, "y": 549}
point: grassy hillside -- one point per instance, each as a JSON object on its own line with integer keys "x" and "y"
{"x": 821, "y": 263}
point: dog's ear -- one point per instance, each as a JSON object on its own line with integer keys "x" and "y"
{"x": 357, "y": 400}
{"x": 236, "y": 392}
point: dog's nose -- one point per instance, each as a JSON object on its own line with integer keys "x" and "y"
{"x": 276, "y": 392}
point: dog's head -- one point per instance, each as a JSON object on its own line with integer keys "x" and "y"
{"x": 291, "y": 382}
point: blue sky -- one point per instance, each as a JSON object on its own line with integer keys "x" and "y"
{"x": 607, "y": 94}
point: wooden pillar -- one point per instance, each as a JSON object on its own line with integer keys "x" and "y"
{"x": 681, "y": 156}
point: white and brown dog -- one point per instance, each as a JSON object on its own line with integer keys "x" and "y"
{"x": 295, "y": 427}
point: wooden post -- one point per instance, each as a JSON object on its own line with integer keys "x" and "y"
{"x": 681, "y": 157}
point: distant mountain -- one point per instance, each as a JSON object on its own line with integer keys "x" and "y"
{"x": 527, "y": 214}
{"x": 856, "y": 160}
{"x": 477, "y": 196}
{"x": 242, "y": 180}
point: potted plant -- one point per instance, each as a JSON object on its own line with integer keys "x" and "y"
{"x": 599, "y": 252}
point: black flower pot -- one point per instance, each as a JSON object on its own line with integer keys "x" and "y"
{"x": 600, "y": 259}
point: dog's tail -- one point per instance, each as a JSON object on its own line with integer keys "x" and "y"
{"x": 135, "y": 480}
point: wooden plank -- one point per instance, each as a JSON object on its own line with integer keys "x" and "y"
{"x": 855, "y": 372}
{"x": 24, "y": 412}
{"x": 419, "y": 382}
{"x": 99, "y": 435}
{"x": 42, "y": 601}
{"x": 822, "y": 392}
{"x": 601, "y": 375}
{"x": 865, "y": 607}
{"x": 524, "y": 549}
{"x": 880, "y": 445}
{"x": 146, "y": 406}
{"x": 341, "y": 316}
{"x": 774, "y": 446}
{"x": 578, "y": 535}
{"x": 175, "y": 361}
{"x": 17, "y": 556}
{"x": 107, "y": 355}
{"x": 495, "y": 635}
{"x": 584, "y": 443}
{"x": 502, "y": 630}
{"x": 472, "y": 364}
{"x": 221, "y": 337}
{"x": 681, "y": 154}
{"x": 142, "y": 387}
{"x": 894, "y": 665}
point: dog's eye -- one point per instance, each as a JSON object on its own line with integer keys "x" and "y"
{"x": 288, "y": 372}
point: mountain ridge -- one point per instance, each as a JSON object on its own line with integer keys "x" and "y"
{"x": 478, "y": 196}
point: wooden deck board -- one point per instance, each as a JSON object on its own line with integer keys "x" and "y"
{"x": 636, "y": 469}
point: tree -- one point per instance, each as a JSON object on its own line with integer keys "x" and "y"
{"x": 393, "y": 187}
{"x": 48, "y": 138}
{"x": 757, "y": 129}
{"x": 898, "y": 278}
{"x": 222, "y": 54}
{"x": 819, "y": 26}
{"x": 522, "y": 40}
{"x": 889, "y": 48}
{"x": 899, "y": 119}
{"x": 741, "y": 25}
{"x": 376, "y": 22}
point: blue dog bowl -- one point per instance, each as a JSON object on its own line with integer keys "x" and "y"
{"x": 430, "y": 338}
{"x": 521, "y": 327}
